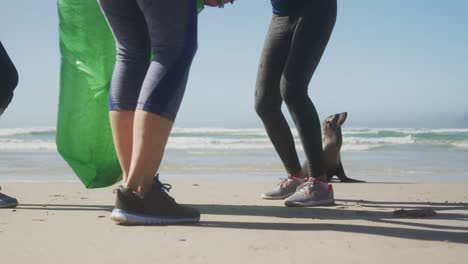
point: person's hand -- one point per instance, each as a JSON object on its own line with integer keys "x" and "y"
{"x": 217, "y": 2}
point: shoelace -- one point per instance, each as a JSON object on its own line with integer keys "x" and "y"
{"x": 288, "y": 181}
{"x": 305, "y": 184}
{"x": 284, "y": 182}
{"x": 164, "y": 188}
{"x": 313, "y": 183}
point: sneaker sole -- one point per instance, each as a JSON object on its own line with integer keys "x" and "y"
{"x": 9, "y": 205}
{"x": 126, "y": 218}
{"x": 310, "y": 203}
{"x": 266, "y": 197}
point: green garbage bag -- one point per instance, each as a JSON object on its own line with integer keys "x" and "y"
{"x": 84, "y": 137}
{"x": 200, "y": 5}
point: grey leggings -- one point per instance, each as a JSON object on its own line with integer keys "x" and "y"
{"x": 156, "y": 41}
{"x": 292, "y": 51}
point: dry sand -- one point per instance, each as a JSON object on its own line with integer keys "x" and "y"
{"x": 65, "y": 223}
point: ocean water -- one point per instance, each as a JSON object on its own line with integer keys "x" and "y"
{"x": 377, "y": 155}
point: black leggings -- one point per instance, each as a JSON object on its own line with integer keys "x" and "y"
{"x": 8, "y": 79}
{"x": 292, "y": 51}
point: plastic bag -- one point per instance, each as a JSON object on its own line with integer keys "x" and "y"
{"x": 84, "y": 137}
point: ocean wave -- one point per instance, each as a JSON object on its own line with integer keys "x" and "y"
{"x": 365, "y": 144}
{"x": 353, "y": 148}
{"x": 419, "y": 136}
{"x": 435, "y": 131}
{"x": 4, "y": 132}
{"x": 377, "y": 141}
{"x": 405, "y": 131}
{"x": 462, "y": 145}
{"x": 200, "y": 139}
{"x": 214, "y": 130}
{"x": 354, "y": 131}
{"x": 217, "y": 143}
{"x": 27, "y": 145}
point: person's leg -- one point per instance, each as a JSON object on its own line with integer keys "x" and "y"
{"x": 122, "y": 133}
{"x": 310, "y": 39}
{"x": 172, "y": 29}
{"x": 132, "y": 61}
{"x": 8, "y": 81}
{"x": 267, "y": 95}
{"x": 151, "y": 133}
{"x": 268, "y": 103}
{"x": 309, "y": 42}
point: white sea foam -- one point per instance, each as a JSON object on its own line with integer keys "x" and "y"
{"x": 354, "y": 131}
{"x": 381, "y": 140}
{"x": 365, "y": 144}
{"x": 362, "y": 147}
{"x": 435, "y": 131}
{"x": 463, "y": 144}
{"x": 27, "y": 145}
{"x": 408, "y": 131}
{"x": 203, "y": 130}
{"x": 23, "y": 131}
{"x": 208, "y": 143}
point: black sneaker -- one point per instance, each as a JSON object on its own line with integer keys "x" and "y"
{"x": 7, "y": 201}
{"x": 155, "y": 207}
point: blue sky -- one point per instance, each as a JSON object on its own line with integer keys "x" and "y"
{"x": 389, "y": 64}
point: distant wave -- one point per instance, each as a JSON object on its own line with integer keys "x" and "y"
{"x": 218, "y": 143}
{"x": 208, "y": 130}
{"x": 27, "y": 131}
{"x": 403, "y": 130}
{"x": 206, "y": 139}
{"x": 362, "y": 144}
{"x": 463, "y": 145}
{"x": 27, "y": 145}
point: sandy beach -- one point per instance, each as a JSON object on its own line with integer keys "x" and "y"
{"x": 397, "y": 68}
{"x": 65, "y": 223}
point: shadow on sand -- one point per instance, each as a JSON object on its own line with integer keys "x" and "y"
{"x": 401, "y": 228}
